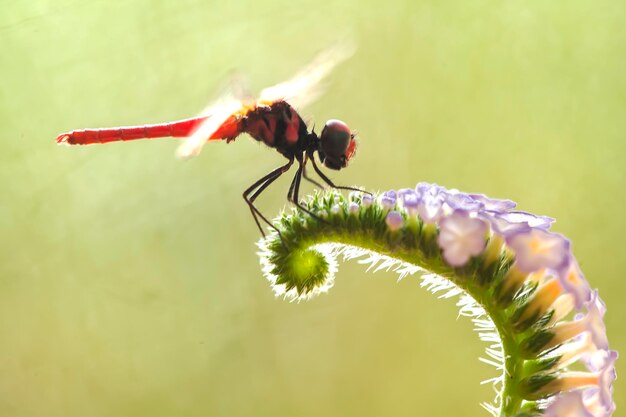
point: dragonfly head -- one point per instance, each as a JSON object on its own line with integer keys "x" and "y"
{"x": 337, "y": 144}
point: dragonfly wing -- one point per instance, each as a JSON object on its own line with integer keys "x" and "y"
{"x": 219, "y": 113}
{"x": 239, "y": 87}
{"x": 235, "y": 87}
{"x": 304, "y": 87}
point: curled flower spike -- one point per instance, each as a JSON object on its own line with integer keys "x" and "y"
{"x": 519, "y": 282}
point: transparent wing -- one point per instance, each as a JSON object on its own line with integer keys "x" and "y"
{"x": 233, "y": 96}
{"x": 219, "y": 112}
{"x": 239, "y": 86}
{"x": 304, "y": 87}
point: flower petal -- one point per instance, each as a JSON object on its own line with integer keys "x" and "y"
{"x": 461, "y": 237}
{"x": 536, "y": 249}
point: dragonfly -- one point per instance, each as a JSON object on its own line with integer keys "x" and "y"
{"x": 271, "y": 119}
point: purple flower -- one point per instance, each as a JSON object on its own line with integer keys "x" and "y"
{"x": 540, "y": 222}
{"x": 594, "y": 359}
{"x": 503, "y": 226}
{"x": 568, "y": 404}
{"x": 536, "y": 249}
{"x": 580, "y": 347}
{"x": 593, "y": 321}
{"x": 508, "y": 223}
{"x": 573, "y": 281}
{"x": 461, "y": 237}
{"x": 592, "y": 401}
{"x": 394, "y": 221}
{"x": 405, "y": 191}
{"x": 391, "y": 194}
{"x": 388, "y": 200}
{"x": 353, "y": 208}
{"x": 493, "y": 204}
{"x": 607, "y": 377}
{"x": 430, "y": 207}
{"x": 461, "y": 201}
{"x": 424, "y": 187}
{"x": 598, "y": 399}
{"x": 409, "y": 200}
{"x": 367, "y": 200}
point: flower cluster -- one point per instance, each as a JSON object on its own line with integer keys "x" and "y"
{"x": 466, "y": 224}
{"x": 525, "y": 276}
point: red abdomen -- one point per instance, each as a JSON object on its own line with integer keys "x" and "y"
{"x": 182, "y": 128}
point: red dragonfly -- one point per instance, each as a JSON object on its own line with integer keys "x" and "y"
{"x": 270, "y": 119}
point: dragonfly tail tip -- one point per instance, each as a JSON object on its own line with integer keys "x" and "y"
{"x": 64, "y": 139}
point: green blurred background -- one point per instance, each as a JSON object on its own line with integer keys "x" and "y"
{"x": 129, "y": 280}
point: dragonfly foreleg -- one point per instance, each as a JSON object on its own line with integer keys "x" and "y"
{"x": 332, "y": 184}
{"x": 294, "y": 191}
{"x": 306, "y": 177}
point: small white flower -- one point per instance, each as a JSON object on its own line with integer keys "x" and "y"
{"x": 461, "y": 237}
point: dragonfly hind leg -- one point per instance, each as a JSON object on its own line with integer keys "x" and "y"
{"x": 258, "y": 187}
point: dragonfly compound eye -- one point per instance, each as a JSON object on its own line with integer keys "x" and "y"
{"x": 337, "y": 144}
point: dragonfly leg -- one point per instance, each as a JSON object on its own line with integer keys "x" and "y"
{"x": 294, "y": 190}
{"x": 260, "y": 186}
{"x": 330, "y": 183}
{"x": 306, "y": 177}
